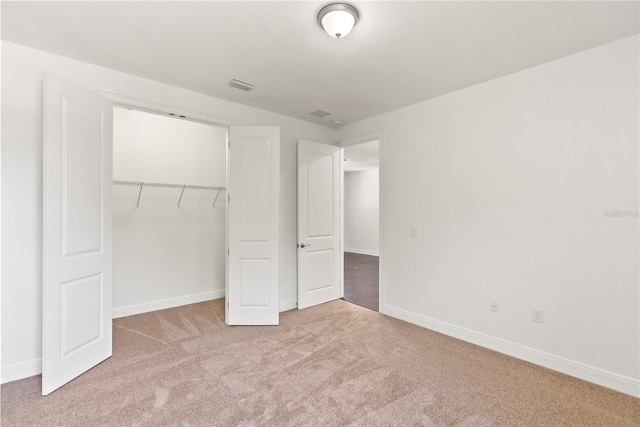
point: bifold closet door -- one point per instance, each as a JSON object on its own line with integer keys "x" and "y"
{"x": 77, "y": 242}
{"x": 253, "y": 226}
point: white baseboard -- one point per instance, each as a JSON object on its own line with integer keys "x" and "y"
{"x": 288, "y": 305}
{"x": 362, "y": 251}
{"x": 146, "y": 307}
{"x": 21, "y": 371}
{"x": 601, "y": 377}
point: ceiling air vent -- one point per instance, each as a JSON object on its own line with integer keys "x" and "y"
{"x": 247, "y": 87}
{"x": 320, "y": 113}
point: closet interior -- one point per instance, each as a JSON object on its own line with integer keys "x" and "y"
{"x": 169, "y": 208}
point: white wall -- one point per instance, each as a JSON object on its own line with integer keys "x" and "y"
{"x": 22, "y": 74}
{"x": 361, "y": 212}
{"x": 165, "y": 256}
{"x": 507, "y": 184}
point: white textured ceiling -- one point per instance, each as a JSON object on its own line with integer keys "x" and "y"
{"x": 398, "y": 54}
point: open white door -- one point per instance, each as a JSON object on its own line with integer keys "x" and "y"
{"x": 253, "y": 227}
{"x": 318, "y": 223}
{"x": 77, "y": 242}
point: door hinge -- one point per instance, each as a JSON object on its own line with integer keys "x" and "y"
{"x": 228, "y": 252}
{"x": 229, "y": 198}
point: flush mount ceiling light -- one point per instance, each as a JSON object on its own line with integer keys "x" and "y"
{"x": 338, "y": 19}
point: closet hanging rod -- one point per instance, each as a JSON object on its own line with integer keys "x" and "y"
{"x": 183, "y": 186}
{"x": 153, "y": 184}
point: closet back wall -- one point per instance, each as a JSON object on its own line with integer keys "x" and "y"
{"x": 165, "y": 255}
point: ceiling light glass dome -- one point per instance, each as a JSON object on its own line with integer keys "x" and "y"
{"x": 338, "y": 19}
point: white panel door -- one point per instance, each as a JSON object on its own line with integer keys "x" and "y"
{"x": 76, "y": 306}
{"x": 318, "y": 223}
{"x": 253, "y": 270}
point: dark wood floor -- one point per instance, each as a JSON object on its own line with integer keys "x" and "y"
{"x": 361, "y": 280}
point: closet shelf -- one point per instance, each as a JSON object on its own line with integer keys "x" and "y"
{"x": 183, "y": 186}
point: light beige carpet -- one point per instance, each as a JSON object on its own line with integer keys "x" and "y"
{"x": 335, "y": 364}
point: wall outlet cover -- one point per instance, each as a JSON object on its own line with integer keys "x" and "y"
{"x": 538, "y": 315}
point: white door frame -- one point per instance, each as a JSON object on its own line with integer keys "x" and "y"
{"x": 382, "y": 282}
{"x": 165, "y": 110}
{"x": 120, "y": 100}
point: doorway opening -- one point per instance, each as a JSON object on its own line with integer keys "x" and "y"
{"x": 361, "y": 219}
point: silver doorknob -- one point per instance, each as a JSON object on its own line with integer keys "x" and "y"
{"x": 302, "y": 245}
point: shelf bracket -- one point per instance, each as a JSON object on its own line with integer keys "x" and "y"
{"x": 216, "y": 199}
{"x": 139, "y": 194}
{"x": 180, "y": 199}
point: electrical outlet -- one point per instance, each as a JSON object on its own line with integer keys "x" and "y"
{"x": 493, "y": 306}
{"x": 412, "y": 232}
{"x": 538, "y": 315}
